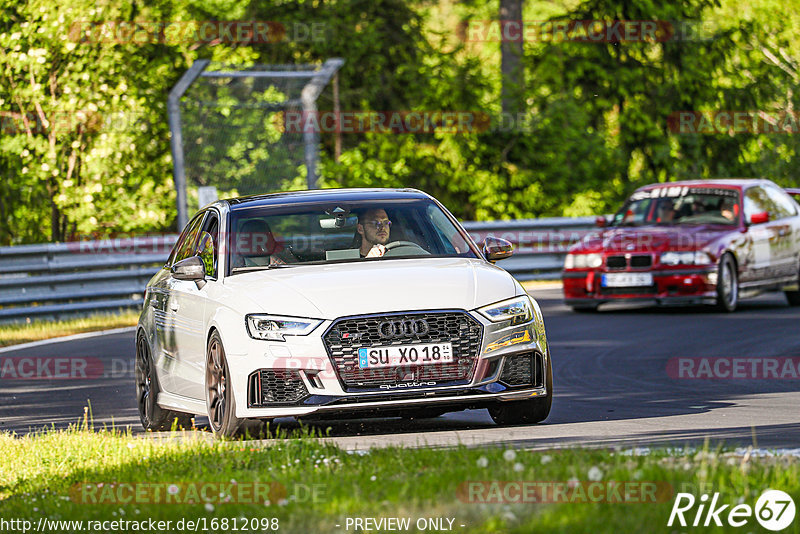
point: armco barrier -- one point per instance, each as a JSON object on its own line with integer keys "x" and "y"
{"x": 62, "y": 279}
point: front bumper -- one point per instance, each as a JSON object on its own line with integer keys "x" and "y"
{"x": 679, "y": 286}
{"x": 298, "y": 377}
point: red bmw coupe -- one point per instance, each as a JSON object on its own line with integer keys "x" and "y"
{"x": 693, "y": 242}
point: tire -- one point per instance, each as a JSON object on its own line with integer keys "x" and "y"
{"x": 153, "y": 416}
{"x": 793, "y": 297}
{"x": 219, "y": 397}
{"x": 528, "y": 411}
{"x": 727, "y": 284}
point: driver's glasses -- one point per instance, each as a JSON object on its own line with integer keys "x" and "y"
{"x": 379, "y": 225}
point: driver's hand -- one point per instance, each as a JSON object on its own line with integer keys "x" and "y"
{"x": 376, "y": 251}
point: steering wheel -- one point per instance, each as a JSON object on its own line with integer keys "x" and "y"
{"x": 404, "y": 248}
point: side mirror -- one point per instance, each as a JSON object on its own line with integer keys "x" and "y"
{"x": 600, "y": 221}
{"x": 189, "y": 269}
{"x": 759, "y": 218}
{"x": 495, "y": 248}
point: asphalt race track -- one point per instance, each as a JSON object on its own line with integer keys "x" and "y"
{"x": 612, "y": 384}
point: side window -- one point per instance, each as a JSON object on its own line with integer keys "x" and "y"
{"x": 207, "y": 248}
{"x": 783, "y": 203}
{"x": 756, "y": 200}
{"x": 185, "y": 246}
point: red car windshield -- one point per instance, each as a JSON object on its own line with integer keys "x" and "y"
{"x": 677, "y": 205}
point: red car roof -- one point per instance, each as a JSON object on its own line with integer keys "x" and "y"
{"x": 738, "y": 183}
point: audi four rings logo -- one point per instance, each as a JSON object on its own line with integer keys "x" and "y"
{"x": 389, "y": 329}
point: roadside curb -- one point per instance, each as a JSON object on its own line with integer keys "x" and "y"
{"x": 84, "y": 335}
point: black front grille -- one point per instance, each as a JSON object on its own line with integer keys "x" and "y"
{"x": 523, "y": 370}
{"x": 347, "y": 335}
{"x": 634, "y": 261}
{"x": 641, "y": 261}
{"x": 269, "y": 387}
{"x": 634, "y": 290}
{"x": 616, "y": 262}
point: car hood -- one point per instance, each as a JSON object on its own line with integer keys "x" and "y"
{"x": 337, "y": 290}
{"x": 651, "y": 238}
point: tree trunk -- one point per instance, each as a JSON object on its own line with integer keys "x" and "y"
{"x": 511, "y": 51}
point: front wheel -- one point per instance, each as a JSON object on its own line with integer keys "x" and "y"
{"x": 153, "y": 416}
{"x": 219, "y": 395}
{"x": 526, "y": 411}
{"x": 727, "y": 284}
{"x": 793, "y": 297}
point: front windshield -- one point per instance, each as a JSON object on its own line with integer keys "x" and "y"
{"x": 266, "y": 237}
{"x": 675, "y": 205}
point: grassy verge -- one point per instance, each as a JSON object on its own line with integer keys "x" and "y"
{"x": 316, "y": 486}
{"x": 13, "y": 334}
{"x": 532, "y": 285}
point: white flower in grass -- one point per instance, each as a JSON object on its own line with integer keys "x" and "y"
{"x": 518, "y": 467}
{"x": 573, "y": 482}
{"x": 173, "y": 489}
{"x": 283, "y": 502}
{"x": 209, "y": 507}
{"x": 509, "y": 455}
{"x": 546, "y": 459}
{"x": 595, "y": 473}
{"x": 373, "y": 478}
{"x": 482, "y": 461}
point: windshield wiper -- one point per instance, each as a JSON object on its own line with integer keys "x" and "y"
{"x": 260, "y": 267}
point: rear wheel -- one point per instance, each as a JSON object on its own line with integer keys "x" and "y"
{"x": 794, "y": 296}
{"x": 153, "y": 416}
{"x": 523, "y": 412}
{"x": 727, "y": 284}
{"x": 219, "y": 395}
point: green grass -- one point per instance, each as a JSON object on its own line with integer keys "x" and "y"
{"x": 13, "y": 334}
{"x": 37, "y": 472}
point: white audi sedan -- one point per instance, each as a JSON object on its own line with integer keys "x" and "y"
{"x": 338, "y": 302}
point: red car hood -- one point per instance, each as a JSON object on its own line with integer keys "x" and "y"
{"x": 651, "y": 238}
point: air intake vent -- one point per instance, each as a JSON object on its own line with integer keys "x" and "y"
{"x": 275, "y": 387}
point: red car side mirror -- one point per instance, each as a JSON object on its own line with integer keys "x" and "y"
{"x": 758, "y": 218}
{"x": 600, "y": 222}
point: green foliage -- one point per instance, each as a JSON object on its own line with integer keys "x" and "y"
{"x": 94, "y": 156}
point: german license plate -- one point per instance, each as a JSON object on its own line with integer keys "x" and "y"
{"x": 400, "y": 355}
{"x": 627, "y": 279}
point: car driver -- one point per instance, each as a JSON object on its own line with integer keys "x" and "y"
{"x": 373, "y": 226}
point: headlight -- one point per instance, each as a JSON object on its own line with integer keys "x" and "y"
{"x": 518, "y": 310}
{"x": 583, "y": 261}
{"x": 274, "y": 327}
{"x": 690, "y": 257}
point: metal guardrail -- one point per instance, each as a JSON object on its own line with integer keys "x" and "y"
{"x": 63, "y": 279}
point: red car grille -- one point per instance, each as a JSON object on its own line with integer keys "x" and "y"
{"x": 633, "y": 261}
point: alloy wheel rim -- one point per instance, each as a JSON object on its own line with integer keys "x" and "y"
{"x": 216, "y": 384}
{"x": 143, "y": 381}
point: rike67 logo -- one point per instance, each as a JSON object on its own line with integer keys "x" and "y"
{"x": 774, "y": 511}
